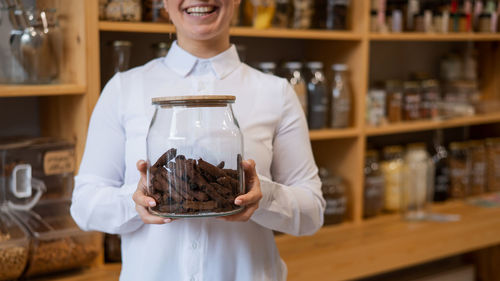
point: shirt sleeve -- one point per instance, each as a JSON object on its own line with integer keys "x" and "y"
{"x": 100, "y": 200}
{"x": 292, "y": 201}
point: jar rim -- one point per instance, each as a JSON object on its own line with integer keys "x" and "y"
{"x": 193, "y": 100}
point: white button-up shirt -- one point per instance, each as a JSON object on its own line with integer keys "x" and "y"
{"x": 275, "y": 135}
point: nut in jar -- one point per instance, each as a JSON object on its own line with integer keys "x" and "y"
{"x": 195, "y": 149}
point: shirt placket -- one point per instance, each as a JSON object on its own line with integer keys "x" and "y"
{"x": 203, "y": 78}
{"x": 196, "y": 251}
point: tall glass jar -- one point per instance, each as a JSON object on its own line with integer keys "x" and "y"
{"x": 373, "y": 197}
{"x": 394, "y": 104}
{"x": 317, "y": 96}
{"x": 121, "y": 55}
{"x": 392, "y": 168}
{"x": 341, "y": 97}
{"x": 194, "y": 149}
{"x": 418, "y": 182}
{"x": 442, "y": 170}
{"x": 459, "y": 170}
{"x": 335, "y": 194}
{"x": 296, "y": 78}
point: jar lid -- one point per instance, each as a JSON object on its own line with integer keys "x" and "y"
{"x": 122, "y": 43}
{"x": 212, "y": 100}
{"x": 315, "y": 65}
{"x": 393, "y": 149}
{"x": 293, "y": 65}
{"x": 267, "y": 65}
{"x": 340, "y": 67}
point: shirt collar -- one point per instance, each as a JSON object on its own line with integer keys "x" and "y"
{"x": 182, "y": 62}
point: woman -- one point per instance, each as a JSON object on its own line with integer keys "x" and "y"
{"x": 284, "y": 194}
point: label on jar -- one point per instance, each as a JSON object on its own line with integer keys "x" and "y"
{"x": 59, "y": 162}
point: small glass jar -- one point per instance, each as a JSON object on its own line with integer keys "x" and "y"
{"x": 334, "y": 192}
{"x": 160, "y": 49}
{"x": 124, "y": 10}
{"x": 154, "y": 11}
{"x": 485, "y": 22}
{"x": 418, "y": 187}
{"x": 430, "y": 98}
{"x": 392, "y": 169}
{"x": 411, "y": 101}
{"x": 317, "y": 94}
{"x": 302, "y": 14}
{"x": 459, "y": 170}
{"x": 296, "y": 78}
{"x": 341, "y": 97}
{"x": 282, "y": 14}
{"x": 194, "y": 149}
{"x": 394, "y": 102}
{"x": 476, "y": 152}
{"x": 493, "y": 149}
{"x": 121, "y": 55}
{"x": 336, "y": 14}
{"x": 373, "y": 195}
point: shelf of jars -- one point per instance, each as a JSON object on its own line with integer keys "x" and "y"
{"x": 144, "y": 27}
{"x": 327, "y": 134}
{"x": 420, "y": 36}
{"x": 424, "y": 125}
{"x": 41, "y": 90}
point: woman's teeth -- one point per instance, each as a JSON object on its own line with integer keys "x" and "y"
{"x": 200, "y": 11}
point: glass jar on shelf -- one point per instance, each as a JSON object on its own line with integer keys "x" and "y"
{"x": 317, "y": 95}
{"x": 493, "y": 152}
{"x": 476, "y": 152}
{"x": 282, "y": 14}
{"x": 121, "y": 55}
{"x": 394, "y": 102}
{"x": 440, "y": 157}
{"x": 160, "y": 49}
{"x": 341, "y": 97}
{"x": 124, "y": 10}
{"x": 459, "y": 170}
{"x": 418, "y": 187}
{"x": 154, "y": 11}
{"x": 411, "y": 101}
{"x": 194, "y": 150}
{"x": 334, "y": 192}
{"x": 373, "y": 194}
{"x": 294, "y": 75}
{"x": 431, "y": 96}
{"x": 392, "y": 169}
{"x": 302, "y": 15}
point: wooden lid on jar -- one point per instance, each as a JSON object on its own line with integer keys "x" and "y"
{"x": 194, "y": 100}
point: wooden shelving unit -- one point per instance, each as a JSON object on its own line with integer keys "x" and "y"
{"x": 415, "y": 36}
{"x": 328, "y": 134}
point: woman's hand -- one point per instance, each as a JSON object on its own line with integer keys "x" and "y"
{"x": 251, "y": 199}
{"x": 142, "y": 202}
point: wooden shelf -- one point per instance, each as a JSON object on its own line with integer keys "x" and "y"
{"x": 41, "y": 90}
{"x": 409, "y": 36}
{"x": 327, "y": 134}
{"x": 414, "y": 126}
{"x": 387, "y": 243}
{"x": 144, "y": 27}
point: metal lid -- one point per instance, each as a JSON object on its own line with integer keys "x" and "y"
{"x": 122, "y": 43}
{"x": 194, "y": 100}
{"x": 315, "y": 65}
{"x": 293, "y": 65}
{"x": 267, "y": 65}
{"x": 340, "y": 67}
{"x": 393, "y": 149}
{"x": 161, "y": 45}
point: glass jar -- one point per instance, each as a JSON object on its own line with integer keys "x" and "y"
{"x": 194, "y": 149}
{"x": 317, "y": 95}
{"x": 341, "y": 97}
{"x": 296, "y": 79}
{"x": 373, "y": 195}
{"x": 336, "y": 14}
{"x": 160, "y": 49}
{"x": 124, "y": 10}
{"x": 392, "y": 169}
{"x": 394, "y": 102}
{"x": 411, "y": 101}
{"x": 459, "y": 170}
{"x": 430, "y": 98}
{"x": 485, "y": 22}
{"x": 282, "y": 14}
{"x": 493, "y": 149}
{"x": 442, "y": 170}
{"x": 154, "y": 11}
{"x": 11, "y": 70}
{"x": 302, "y": 13}
{"x": 121, "y": 55}
{"x": 418, "y": 182}
{"x": 376, "y": 109}
{"x": 476, "y": 152}
{"x": 263, "y": 13}
{"x": 334, "y": 192}
{"x": 14, "y": 248}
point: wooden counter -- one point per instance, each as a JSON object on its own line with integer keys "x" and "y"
{"x": 374, "y": 246}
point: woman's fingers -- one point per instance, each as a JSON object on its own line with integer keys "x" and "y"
{"x": 253, "y": 196}
{"x": 243, "y": 215}
{"x": 141, "y": 199}
{"x": 146, "y": 217}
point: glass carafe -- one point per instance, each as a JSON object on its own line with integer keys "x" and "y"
{"x": 194, "y": 149}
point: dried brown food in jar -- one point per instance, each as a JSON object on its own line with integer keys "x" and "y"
{"x": 477, "y": 161}
{"x": 459, "y": 172}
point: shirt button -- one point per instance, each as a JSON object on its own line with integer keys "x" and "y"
{"x": 194, "y": 246}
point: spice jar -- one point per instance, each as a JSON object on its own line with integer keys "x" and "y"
{"x": 442, "y": 170}
{"x": 476, "y": 153}
{"x": 160, "y": 49}
{"x": 154, "y": 11}
{"x": 194, "y": 150}
{"x": 392, "y": 169}
{"x": 296, "y": 79}
{"x": 376, "y": 107}
{"x": 485, "y": 22}
{"x": 341, "y": 97}
{"x": 373, "y": 195}
{"x": 493, "y": 149}
{"x": 124, "y": 10}
{"x": 282, "y": 14}
{"x": 121, "y": 55}
{"x": 334, "y": 192}
{"x": 430, "y": 98}
{"x": 411, "y": 101}
{"x": 317, "y": 95}
{"x": 302, "y": 16}
{"x": 394, "y": 102}
{"x": 459, "y": 171}
{"x": 418, "y": 182}
{"x": 336, "y": 14}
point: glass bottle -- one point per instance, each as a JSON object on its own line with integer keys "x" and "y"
{"x": 341, "y": 97}
{"x": 302, "y": 13}
{"x": 411, "y": 101}
{"x": 268, "y": 67}
{"x": 294, "y": 75}
{"x": 459, "y": 170}
{"x": 394, "y": 102}
{"x": 334, "y": 192}
{"x": 317, "y": 95}
{"x": 121, "y": 55}
{"x": 373, "y": 195}
{"x": 418, "y": 182}
{"x": 336, "y": 14}
{"x": 442, "y": 171}
{"x": 194, "y": 151}
{"x": 392, "y": 169}
{"x": 476, "y": 152}
{"x": 430, "y": 98}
